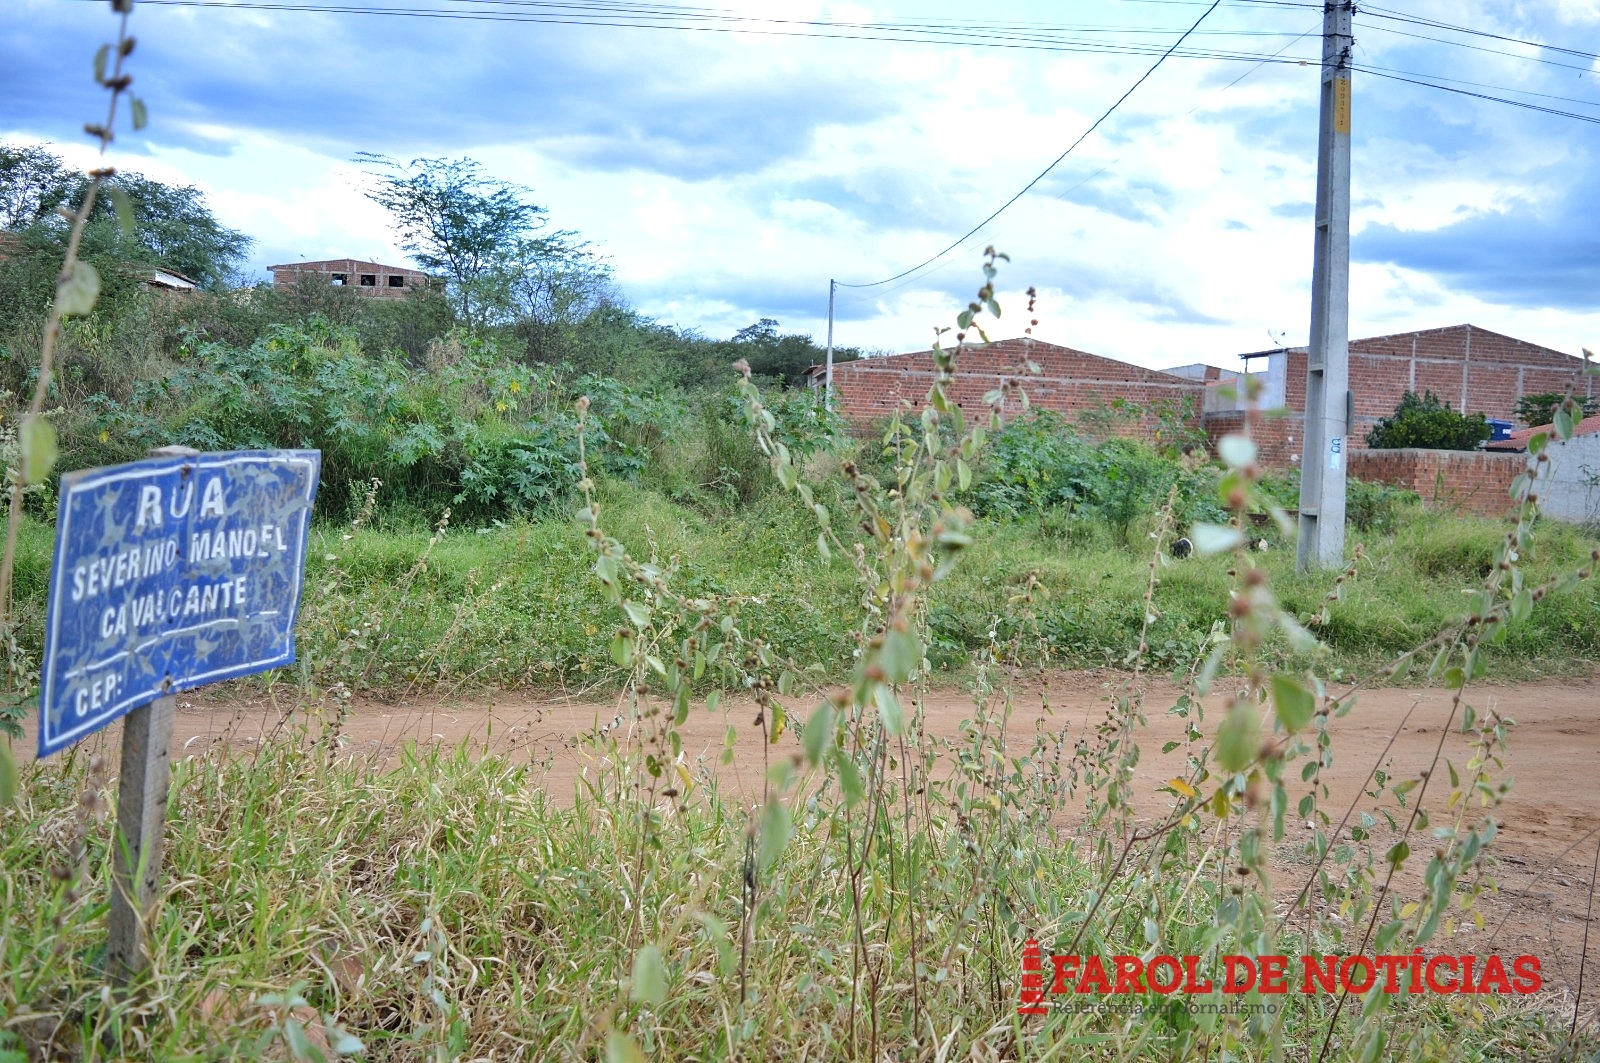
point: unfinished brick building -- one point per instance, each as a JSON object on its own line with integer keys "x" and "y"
{"x": 1069, "y": 382}
{"x": 370, "y": 278}
{"x": 1471, "y": 368}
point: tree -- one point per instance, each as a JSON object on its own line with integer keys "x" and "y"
{"x": 555, "y": 282}
{"x": 1430, "y": 424}
{"x": 33, "y": 183}
{"x": 138, "y": 223}
{"x": 1538, "y": 410}
{"x": 785, "y": 356}
{"x": 474, "y": 230}
{"x": 763, "y": 331}
{"x": 174, "y": 228}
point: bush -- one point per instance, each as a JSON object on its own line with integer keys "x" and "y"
{"x": 1368, "y": 507}
{"x": 1430, "y": 424}
{"x": 1371, "y": 507}
{"x": 1039, "y": 464}
{"x": 473, "y": 432}
{"x": 716, "y": 469}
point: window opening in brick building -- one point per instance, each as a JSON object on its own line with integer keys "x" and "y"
{"x": 338, "y": 278}
{"x": 369, "y": 280}
{"x": 396, "y": 281}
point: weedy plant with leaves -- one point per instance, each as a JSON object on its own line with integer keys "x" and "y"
{"x": 871, "y": 895}
{"x": 934, "y": 861}
{"x": 77, "y": 289}
{"x": 868, "y": 895}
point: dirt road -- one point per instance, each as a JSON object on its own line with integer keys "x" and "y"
{"x": 1550, "y": 824}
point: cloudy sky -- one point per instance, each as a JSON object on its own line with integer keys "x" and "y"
{"x": 729, "y": 175}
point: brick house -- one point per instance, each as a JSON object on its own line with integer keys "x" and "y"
{"x": 371, "y": 278}
{"x": 1470, "y": 368}
{"x": 1068, "y": 381}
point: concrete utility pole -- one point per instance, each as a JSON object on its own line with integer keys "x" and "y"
{"x": 1328, "y": 406}
{"x": 827, "y": 384}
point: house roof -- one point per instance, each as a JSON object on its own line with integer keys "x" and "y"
{"x": 1203, "y": 371}
{"x": 1467, "y": 327}
{"x": 1519, "y": 438}
{"x": 161, "y": 277}
{"x": 346, "y": 265}
{"x": 1017, "y": 351}
{"x": 1268, "y": 354}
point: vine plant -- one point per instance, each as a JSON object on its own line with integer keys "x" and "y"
{"x": 77, "y": 291}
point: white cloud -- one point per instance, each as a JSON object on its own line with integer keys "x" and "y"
{"x": 729, "y": 177}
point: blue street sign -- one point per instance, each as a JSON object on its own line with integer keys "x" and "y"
{"x": 168, "y": 574}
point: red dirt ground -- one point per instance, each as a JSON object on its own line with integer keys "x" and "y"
{"x": 1543, "y": 862}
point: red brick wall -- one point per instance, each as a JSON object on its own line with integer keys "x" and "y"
{"x": 1069, "y": 382}
{"x": 1294, "y": 389}
{"x": 1277, "y": 439}
{"x": 1464, "y": 365}
{"x": 288, "y": 276}
{"x": 1455, "y": 480}
{"x": 1472, "y": 369}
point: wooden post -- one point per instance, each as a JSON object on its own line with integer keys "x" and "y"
{"x": 141, "y": 825}
{"x": 141, "y": 822}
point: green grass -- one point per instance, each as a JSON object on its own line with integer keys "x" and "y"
{"x": 537, "y": 616}
{"x": 517, "y": 605}
{"x": 496, "y": 917}
{"x": 458, "y": 905}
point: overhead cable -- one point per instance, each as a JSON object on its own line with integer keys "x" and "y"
{"x": 1056, "y": 162}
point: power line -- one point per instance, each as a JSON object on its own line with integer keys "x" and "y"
{"x": 1377, "y": 73}
{"x": 618, "y": 16}
{"x": 1202, "y": 3}
{"x": 1041, "y": 176}
{"x": 1420, "y": 20}
{"x": 1480, "y": 85}
{"x": 1104, "y": 169}
{"x": 1056, "y": 37}
{"x": 1480, "y": 48}
{"x": 627, "y": 9}
{"x": 1017, "y": 35}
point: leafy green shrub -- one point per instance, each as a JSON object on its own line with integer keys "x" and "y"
{"x": 1369, "y": 507}
{"x": 718, "y": 469}
{"x": 1039, "y": 463}
{"x": 472, "y": 432}
{"x": 1428, "y": 423}
{"x": 1374, "y": 507}
{"x": 1282, "y": 487}
{"x": 638, "y": 421}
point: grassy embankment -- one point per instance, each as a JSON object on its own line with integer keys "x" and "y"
{"x": 451, "y": 907}
{"x": 516, "y": 605}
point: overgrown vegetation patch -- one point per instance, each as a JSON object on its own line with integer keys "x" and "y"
{"x": 502, "y": 514}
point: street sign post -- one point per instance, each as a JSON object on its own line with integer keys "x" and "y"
{"x": 169, "y": 573}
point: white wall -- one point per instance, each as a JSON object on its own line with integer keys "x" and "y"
{"x": 1569, "y": 488}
